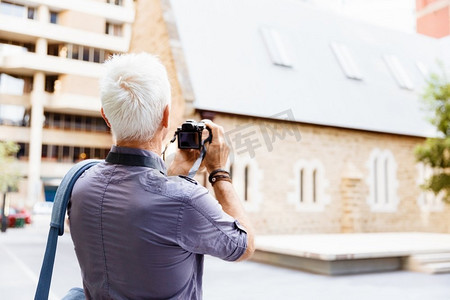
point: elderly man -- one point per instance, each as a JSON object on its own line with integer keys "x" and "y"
{"x": 140, "y": 231}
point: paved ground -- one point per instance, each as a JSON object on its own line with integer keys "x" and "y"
{"x": 355, "y": 245}
{"x": 22, "y": 251}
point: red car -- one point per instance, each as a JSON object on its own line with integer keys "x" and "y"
{"x": 17, "y": 218}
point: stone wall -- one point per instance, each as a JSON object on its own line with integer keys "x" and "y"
{"x": 336, "y": 161}
{"x": 343, "y": 155}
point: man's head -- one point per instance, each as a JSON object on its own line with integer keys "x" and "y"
{"x": 135, "y": 92}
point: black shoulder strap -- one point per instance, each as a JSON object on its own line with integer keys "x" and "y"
{"x": 63, "y": 194}
{"x": 132, "y": 160}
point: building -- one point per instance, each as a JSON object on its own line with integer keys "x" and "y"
{"x": 323, "y": 112}
{"x": 50, "y": 61}
{"x": 433, "y": 17}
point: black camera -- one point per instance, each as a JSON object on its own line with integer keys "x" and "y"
{"x": 190, "y": 135}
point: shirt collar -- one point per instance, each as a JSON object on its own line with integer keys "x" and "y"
{"x": 161, "y": 166}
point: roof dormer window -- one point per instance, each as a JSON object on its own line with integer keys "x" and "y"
{"x": 346, "y": 61}
{"x": 276, "y": 47}
{"x": 398, "y": 72}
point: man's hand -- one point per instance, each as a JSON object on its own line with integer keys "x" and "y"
{"x": 217, "y": 151}
{"x": 183, "y": 161}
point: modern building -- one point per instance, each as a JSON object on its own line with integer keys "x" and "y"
{"x": 323, "y": 112}
{"x": 433, "y": 17}
{"x": 50, "y": 62}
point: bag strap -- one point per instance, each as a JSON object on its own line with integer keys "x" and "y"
{"x": 62, "y": 196}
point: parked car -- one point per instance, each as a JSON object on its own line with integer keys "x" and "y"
{"x": 17, "y": 218}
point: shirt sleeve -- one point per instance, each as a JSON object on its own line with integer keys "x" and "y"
{"x": 204, "y": 228}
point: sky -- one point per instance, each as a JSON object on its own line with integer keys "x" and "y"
{"x": 394, "y": 14}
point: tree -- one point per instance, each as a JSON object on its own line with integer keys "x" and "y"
{"x": 435, "y": 152}
{"x": 9, "y": 175}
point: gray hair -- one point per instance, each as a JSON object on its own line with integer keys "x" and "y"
{"x": 134, "y": 91}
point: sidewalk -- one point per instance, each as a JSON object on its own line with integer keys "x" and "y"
{"x": 22, "y": 251}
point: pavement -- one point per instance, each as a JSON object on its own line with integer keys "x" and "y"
{"x": 355, "y": 245}
{"x": 22, "y": 250}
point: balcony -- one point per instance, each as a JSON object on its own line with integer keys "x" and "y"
{"x": 27, "y": 63}
{"x": 114, "y": 13}
{"x": 76, "y": 104}
{"x": 25, "y": 30}
{"x": 22, "y": 100}
{"x": 14, "y": 133}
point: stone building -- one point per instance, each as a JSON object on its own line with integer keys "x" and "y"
{"x": 323, "y": 113}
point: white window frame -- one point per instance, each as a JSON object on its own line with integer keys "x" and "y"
{"x": 346, "y": 61}
{"x": 255, "y": 176}
{"x": 423, "y": 69}
{"x": 382, "y": 181}
{"x": 276, "y": 47}
{"x": 427, "y": 200}
{"x": 398, "y": 72}
{"x": 321, "y": 185}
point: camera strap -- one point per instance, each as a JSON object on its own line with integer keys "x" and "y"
{"x": 198, "y": 162}
{"x": 133, "y": 160}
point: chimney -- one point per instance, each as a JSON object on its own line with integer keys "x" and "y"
{"x": 433, "y": 17}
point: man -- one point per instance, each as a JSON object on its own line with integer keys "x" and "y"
{"x": 140, "y": 231}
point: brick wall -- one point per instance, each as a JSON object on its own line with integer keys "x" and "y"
{"x": 344, "y": 155}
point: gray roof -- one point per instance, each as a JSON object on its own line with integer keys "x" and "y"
{"x": 231, "y": 71}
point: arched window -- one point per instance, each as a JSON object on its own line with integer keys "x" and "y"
{"x": 302, "y": 186}
{"x": 314, "y": 186}
{"x": 375, "y": 180}
{"x": 310, "y": 185}
{"x": 246, "y": 183}
{"x": 427, "y": 200}
{"x": 382, "y": 181}
{"x": 246, "y": 177}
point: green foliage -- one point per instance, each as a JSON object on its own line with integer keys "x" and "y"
{"x": 9, "y": 175}
{"x": 435, "y": 152}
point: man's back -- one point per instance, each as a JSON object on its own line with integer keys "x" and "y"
{"x": 140, "y": 234}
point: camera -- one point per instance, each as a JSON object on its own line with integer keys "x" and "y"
{"x": 190, "y": 135}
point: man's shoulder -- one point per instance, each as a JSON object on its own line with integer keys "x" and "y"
{"x": 182, "y": 187}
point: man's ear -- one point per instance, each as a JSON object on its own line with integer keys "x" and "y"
{"x": 166, "y": 119}
{"x": 105, "y": 118}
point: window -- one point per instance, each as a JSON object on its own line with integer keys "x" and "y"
{"x": 114, "y": 2}
{"x": 302, "y": 185}
{"x": 53, "y": 17}
{"x": 382, "y": 181}
{"x": 113, "y": 29}
{"x": 17, "y": 10}
{"x": 423, "y": 69}
{"x": 398, "y": 72}
{"x": 50, "y": 83}
{"x": 82, "y": 53}
{"x": 427, "y": 200}
{"x": 246, "y": 177}
{"x": 246, "y": 183}
{"x": 12, "y": 115}
{"x": 309, "y": 186}
{"x": 346, "y": 61}
{"x": 31, "y": 13}
{"x": 23, "y": 152}
{"x": 75, "y": 52}
{"x": 275, "y": 47}
{"x": 85, "y": 53}
{"x": 12, "y": 9}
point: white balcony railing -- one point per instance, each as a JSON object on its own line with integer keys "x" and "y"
{"x": 29, "y": 30}
{"x": 81, "y": 104}
{"x": 113, "y": 13}
{"x": 28, "y": 62}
